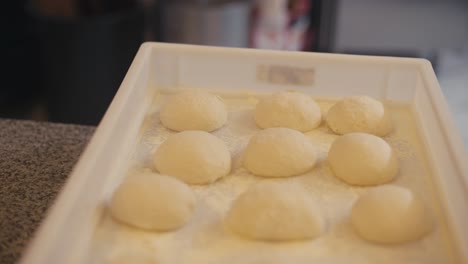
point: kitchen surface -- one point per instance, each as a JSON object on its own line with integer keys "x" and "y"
{"x": 35, "y": 160}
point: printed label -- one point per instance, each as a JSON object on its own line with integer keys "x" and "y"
{"x": 288, "y": 75}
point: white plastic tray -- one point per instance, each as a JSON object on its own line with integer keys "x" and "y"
{"x": 66, "y": 234}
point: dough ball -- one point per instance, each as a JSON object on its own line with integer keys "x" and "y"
{"x": 195, "y": 157}
{"x": 193, "y": 110}
{"x": 276, "y": 211}
{"x": 279, "y": 152}
{"x": 390, "y": 214}
{"x": 131, "y": 258}
{"x": 287, "y": 109}
{"x": 362, "y": 159}
{"x": 359, "y": 114}
{"x": 152, "y": 201}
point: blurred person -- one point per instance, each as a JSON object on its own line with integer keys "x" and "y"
{"x": 86, "y": 47}
{"x": 19, "y": 70}
{"x": 281, "y": 25}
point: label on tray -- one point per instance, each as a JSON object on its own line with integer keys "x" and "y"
{"x": 278, "y": 74}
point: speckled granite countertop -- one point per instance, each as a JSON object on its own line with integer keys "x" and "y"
{"x": 35, "y": 160}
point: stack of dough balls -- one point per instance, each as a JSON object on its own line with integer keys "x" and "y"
{"x": 288, "y": 109}
{"x": 390, "y": 214}
{"x": 275, "y": 211}
{"x": 153, "y": 202}
{"x": 195, "y": 157}
{"x": 279, "y": 152}
{"x": 193, "y": 110}
{"x": 362, "y": 159}
{"x": 359, "y": 114}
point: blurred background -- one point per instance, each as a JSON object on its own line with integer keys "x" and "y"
{"x": 63, "y": 60}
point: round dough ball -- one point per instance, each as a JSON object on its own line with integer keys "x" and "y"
{"x": 287, "y": 109}
{"x": 359, "y": 114}
{"x": 276, "y": 211}
{"x": 390, "y": 214}
{"x": 362, "y": 159}
{"x": 279, "y": 152}
{"x": 152, "y": 201}
{"x": 193, "y": 110}
{"x": 195, "y": 157}
{"x": 131, "y": 258}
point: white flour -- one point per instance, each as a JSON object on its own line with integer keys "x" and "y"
{"x": 204, "y": 240}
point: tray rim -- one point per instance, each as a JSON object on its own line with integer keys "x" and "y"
{"x": 40, "y": 248}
